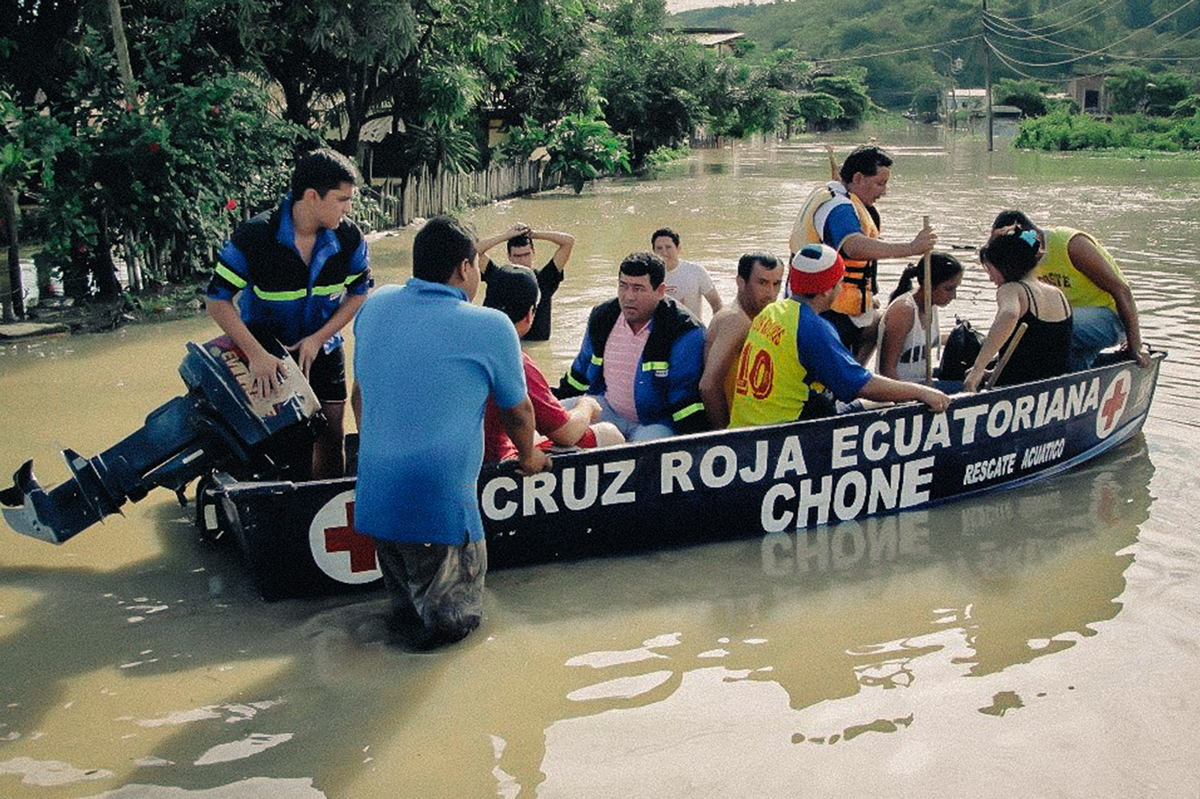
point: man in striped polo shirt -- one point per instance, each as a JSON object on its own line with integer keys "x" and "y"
{"x": 642, "y": 357}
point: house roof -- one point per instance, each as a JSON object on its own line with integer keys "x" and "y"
{"x": 374, "y": 130}
{"x": 711, "y": 37}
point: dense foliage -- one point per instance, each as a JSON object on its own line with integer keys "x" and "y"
{"x": 910, "y": 47}
{"x": 158, "y": 165}
{"x": 1063, "y": 130}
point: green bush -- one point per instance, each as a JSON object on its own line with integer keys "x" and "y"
{"x": 1060, "y": 130}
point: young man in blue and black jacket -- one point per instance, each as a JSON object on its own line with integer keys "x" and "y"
{"x": 302, "y": 272}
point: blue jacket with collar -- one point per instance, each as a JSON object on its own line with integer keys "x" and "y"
{"x": 667, "y": 387}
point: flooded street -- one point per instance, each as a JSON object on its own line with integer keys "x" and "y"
{"x": 1037, "y": 642}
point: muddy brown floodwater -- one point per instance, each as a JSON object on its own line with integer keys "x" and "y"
{"x": 1041, "y": 641}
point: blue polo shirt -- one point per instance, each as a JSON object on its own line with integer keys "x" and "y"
{"x": 824, "y": 356}
{"x": 426, "y": 360}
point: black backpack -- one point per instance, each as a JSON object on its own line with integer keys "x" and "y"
{"x": 960, "y": 351}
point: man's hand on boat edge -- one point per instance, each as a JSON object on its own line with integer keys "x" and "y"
{"x": 937, "y": 401}
{"x": 536, "y": 461}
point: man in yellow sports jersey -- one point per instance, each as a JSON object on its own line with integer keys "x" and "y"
{"x": 1101, "y": 301}
{"x": 793, "y": 364}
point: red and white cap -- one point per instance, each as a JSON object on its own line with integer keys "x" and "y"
{"x": 816, "y": 268}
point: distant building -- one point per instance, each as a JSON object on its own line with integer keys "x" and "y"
{"x": 720, "y": 39}
{"x": 1088, "y": 91}
{"x": 964, "y": 100}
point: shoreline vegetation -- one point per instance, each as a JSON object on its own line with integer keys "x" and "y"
{"x": 1123, "y": 135}
{"x": 148, "y": 134}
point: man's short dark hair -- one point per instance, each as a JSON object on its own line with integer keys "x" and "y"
{"x": 323, "y": 170}
{"x": 1013, "y": 217}
{"x": 866, "y": 159}
{"x": 664, "y": 231}
{"x": 512, "y": 289}
{"x": 637, "y": 264}
{"x": 440, "y": 246}
{"x": 746, "y": 263}
{"x": 519, "y": 241}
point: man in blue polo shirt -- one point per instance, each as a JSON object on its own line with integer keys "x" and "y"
{"x": 302, "y": 273}
{"x": 425, "y": 362}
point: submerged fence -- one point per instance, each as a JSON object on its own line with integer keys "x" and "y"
{"x": 425, "y": 193}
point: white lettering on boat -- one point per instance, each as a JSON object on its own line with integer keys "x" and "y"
{"x": 867, "y": 466}
{"x": 1043, "y": 453}
{"x": 535, "y": 494}
{"x": 623, "y": 471}
{"x": 810, "y": 501}
{"x": 990, "y": 469}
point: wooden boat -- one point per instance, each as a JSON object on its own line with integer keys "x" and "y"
{"x": 299, "y": 538}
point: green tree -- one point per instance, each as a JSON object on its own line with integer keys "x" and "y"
{"x": 1164, "y": 92}
{"x": 1027, "y": 95}
{"x": 1127, "y": 90}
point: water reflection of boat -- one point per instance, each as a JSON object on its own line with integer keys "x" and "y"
{"x": 299, "y": 538}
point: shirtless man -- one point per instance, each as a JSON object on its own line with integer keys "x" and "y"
{"x": 519, "y": 240}
{"x": 759, "y": 278}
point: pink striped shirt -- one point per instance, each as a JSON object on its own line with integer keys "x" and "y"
{"x": 622, "y": 359}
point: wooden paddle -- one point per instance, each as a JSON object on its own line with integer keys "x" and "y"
{"x": 928, "y": 314}
{"x": 1016, "y": 339}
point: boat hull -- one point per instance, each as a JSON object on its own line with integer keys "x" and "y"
{"x": 299, "y": 540}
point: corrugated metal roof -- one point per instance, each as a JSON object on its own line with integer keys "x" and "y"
{"x": 714, "y": 39}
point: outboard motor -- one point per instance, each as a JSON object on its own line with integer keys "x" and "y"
{"x": 216, "y": 425}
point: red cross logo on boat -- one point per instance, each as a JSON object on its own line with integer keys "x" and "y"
{"x": 339, "y": 550}
{"x": 344, "y": 538}
{"x": 1112, "y": 405}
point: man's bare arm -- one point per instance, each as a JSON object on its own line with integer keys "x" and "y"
{"x": 1091, "y": 263}
{"x": 518, "y": 422}
{"x": 564, "y": 241}
{"x": 726, "y": 336}
{"x": 861, "y": 247}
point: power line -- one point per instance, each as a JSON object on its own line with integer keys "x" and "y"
{"x": 904, "y": 50}
{"x": 1077, "y": 19}
{"x": 1090, "y": 53}
{"x": 1046, "y": 12}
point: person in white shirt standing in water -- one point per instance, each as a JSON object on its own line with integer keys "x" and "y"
{"x": 687, "y": 281}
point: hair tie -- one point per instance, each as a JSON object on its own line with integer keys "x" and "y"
{"x": 1030, "y": 237}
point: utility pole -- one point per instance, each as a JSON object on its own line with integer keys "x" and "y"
{"x": 987, "y": 77}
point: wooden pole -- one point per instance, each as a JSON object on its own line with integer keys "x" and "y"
{"x": 927, "y": 312}
{"x": 987, "y": 78}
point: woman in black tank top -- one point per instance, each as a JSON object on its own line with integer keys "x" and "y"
{"x": 1011, "y": 261}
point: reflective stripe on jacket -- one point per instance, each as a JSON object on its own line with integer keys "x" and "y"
{"x": 282, "y": 297}
{"x": 667, "y": 387}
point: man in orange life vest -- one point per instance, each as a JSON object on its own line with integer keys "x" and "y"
{"x": 842, "y": 214}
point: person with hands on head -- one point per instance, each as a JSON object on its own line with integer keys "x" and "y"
{"x": 1043, "y": 349}
{"x": 519, "y": 242}
{"x": 426, "y": 360}
{"x": 1104, "y": 312}
{"x": 302, "y": 272}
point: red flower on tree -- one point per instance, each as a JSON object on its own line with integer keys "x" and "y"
{"x": 154, "y": 147}
{"x": 231, "y": 204}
